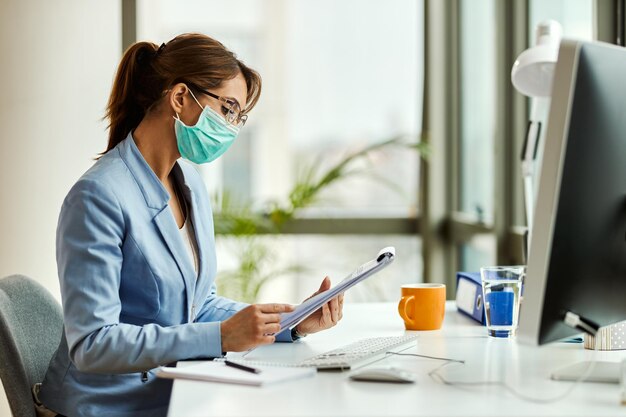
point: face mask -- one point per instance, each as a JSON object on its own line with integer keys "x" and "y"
{"x": 208, "y": 139}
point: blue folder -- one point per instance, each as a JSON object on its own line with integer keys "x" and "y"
{"x": 469, "y": 296}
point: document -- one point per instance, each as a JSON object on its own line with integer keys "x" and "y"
{"x": 219, "y": 372}
{"x": 292, "y": 319}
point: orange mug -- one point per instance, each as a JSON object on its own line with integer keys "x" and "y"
{"x": 422, "y": 306}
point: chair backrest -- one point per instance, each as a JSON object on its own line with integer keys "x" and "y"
{"x": 31, "y": 323}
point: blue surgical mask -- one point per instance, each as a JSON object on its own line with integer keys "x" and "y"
{"x": 208, "y": 139}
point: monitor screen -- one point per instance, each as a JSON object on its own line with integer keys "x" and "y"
{"x": 577, "y": 257}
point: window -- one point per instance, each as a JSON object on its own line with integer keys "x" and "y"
{"x": 487, "y": 147}
{"x": 575, "y": 16}
{"x": 478, "y": 105}
{"x": 338, "y": 76}
{"x": 477, "y": 136}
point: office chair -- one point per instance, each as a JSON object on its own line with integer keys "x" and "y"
{"x": 31, "y": 323}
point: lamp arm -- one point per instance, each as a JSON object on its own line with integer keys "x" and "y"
{"x": 528, "y": 157}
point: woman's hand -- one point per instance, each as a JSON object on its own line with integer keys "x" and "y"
{"x": 250, "y": 327}
{"x": 324, "y": 318}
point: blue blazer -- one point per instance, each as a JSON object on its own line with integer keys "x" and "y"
{"x": 131, "y": 300}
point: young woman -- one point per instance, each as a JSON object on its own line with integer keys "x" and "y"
{"x": 135, "y": 241}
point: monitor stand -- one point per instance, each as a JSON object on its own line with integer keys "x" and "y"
{"x": 607, "y": 372}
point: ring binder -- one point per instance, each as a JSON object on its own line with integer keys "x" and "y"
{"x": 469, "y": 296}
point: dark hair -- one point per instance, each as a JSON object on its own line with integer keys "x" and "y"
{"x": 147, "y": 71}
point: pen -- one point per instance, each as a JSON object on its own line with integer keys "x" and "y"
{"x": 242, "y": 367}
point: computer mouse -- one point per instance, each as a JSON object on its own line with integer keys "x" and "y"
{"x": 383, "y": 374}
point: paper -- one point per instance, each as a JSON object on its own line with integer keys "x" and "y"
{"x": 219, "y": 372}
{"x": 384, "y": 258}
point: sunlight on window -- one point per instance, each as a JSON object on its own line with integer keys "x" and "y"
{"x": 338, "y": 76}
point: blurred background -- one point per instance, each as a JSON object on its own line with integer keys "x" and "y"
{"x": 339, "y": 76}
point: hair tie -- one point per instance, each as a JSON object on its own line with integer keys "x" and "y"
{"x": 145, "y": 55}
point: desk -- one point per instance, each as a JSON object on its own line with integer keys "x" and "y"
{"x": 333, "y": 394}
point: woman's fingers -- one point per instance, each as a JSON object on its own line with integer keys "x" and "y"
{"x": 254, "y": 325}
{"x": 326, "y": 316}
{"x": 267, "y": 340}
{"x": 333, "y": 306}
{"x": 272, "y": 328}
{"x": 340, "y": 306}
{"x": 325, "y": 285}
{"x": 275, "y": 308}
{"x": 270, "y": 318}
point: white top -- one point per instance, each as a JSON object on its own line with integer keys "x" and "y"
{"x": 188, "y": 235}
{"x": 527, "y": 368}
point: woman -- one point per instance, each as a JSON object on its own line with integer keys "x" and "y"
{"x": 135, "y": 241}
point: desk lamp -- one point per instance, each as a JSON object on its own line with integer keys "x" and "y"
{"x": 532, "y": 75}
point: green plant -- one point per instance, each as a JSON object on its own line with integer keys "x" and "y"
{"x": 238, "y": 220}
{"x": 311, "y": 182}
{"x": 256, "y": 267}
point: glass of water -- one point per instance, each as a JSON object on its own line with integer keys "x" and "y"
{"x": 502, "y": 288}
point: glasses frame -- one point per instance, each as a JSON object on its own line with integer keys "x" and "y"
{"x": 233, "y": 116}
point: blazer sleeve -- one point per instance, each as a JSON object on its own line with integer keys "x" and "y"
{"x": 216, "y": 308}
{"x": 222, "y": 308}
{"x": 90, "y": 235}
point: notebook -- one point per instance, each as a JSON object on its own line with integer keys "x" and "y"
{"x": 219, "y": 372}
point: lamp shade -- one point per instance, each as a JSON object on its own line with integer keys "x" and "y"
{"x": 533, "y": 69}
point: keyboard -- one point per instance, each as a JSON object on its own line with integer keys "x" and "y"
{"x": 359, "y": 353}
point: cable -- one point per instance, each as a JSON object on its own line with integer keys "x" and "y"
{"x": 427, "y": 357}
{"x": 437, "y": 376}
{"x": 580, "y": 323}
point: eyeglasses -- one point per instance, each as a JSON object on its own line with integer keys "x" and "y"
{"x": 230, "y": 108}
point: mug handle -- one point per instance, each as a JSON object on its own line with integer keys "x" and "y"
{"x": 406, "y": 303}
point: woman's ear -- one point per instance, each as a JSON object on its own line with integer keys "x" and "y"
{"x": 177, "y": 97}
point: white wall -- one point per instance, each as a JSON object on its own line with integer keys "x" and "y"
{"x": 57, "y": 64}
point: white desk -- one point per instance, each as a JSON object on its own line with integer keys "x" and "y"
{"x": 333, "y": 394}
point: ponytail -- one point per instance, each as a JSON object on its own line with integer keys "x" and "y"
{"x": 146, "y": 71}
{"x": 130, "y": 97}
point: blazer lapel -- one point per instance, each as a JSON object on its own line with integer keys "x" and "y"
{"x": 200, "y": 235}
{"x": 204, "y": 238}
{"x": 168, "y": 228}
{"x": 203, "y": 233}
{"x": 157, "y": 197}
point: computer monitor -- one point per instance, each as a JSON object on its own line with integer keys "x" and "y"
{"x": 577, "y": 257}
